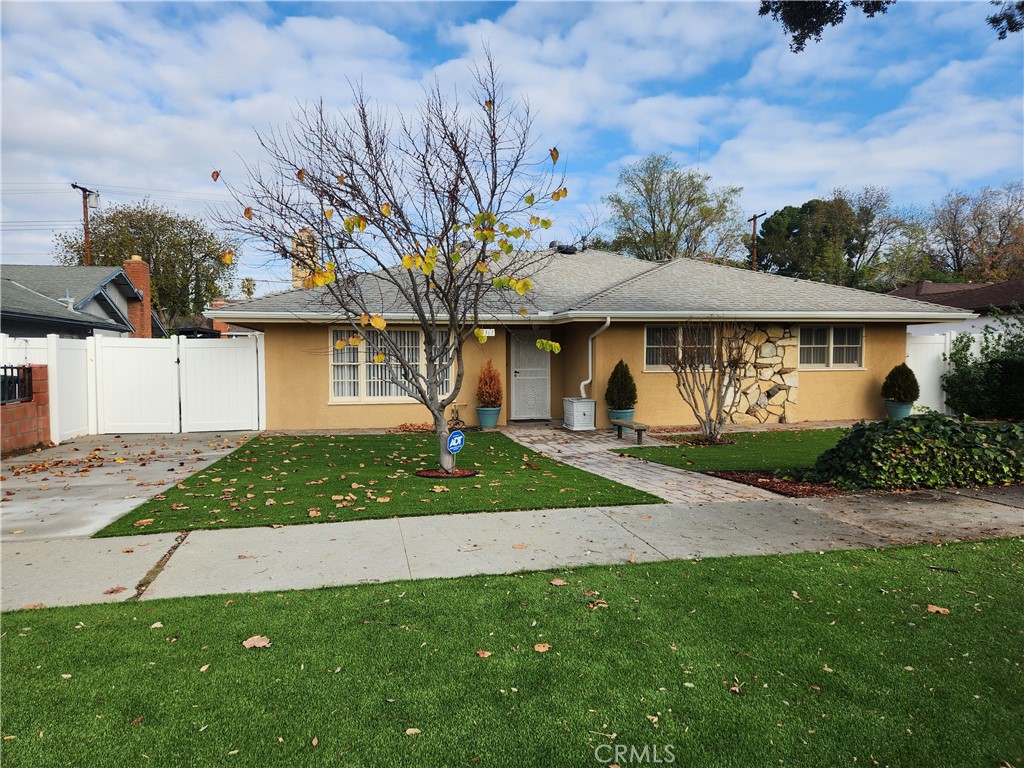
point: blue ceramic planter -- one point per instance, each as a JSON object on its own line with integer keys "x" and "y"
{"x": 898, "y": 410}
{"x": 488, "y": 417}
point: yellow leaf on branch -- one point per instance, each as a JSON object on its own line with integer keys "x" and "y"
{"x": 553, "y": 152}
{"x": 379, "y": 357}
{"x": 328, "y": 213}
{"x": 228, "y": 256}
{"x": 364, "y": 319}
{"x": 301, "y": 175}
{"x": 408, "y": 261}
{"x": 341, "y": 179}
{"x": 481, "y": 267}
{"x": 248, "y": 213}
{"x": 386, "y": 210}
{"x": 378, "y": 322}
{"x": 529, "y": 199}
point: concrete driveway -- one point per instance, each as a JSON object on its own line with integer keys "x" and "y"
{"x": 77, "y": 488}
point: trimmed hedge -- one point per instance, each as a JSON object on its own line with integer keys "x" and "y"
{"x": 930, "y": 451}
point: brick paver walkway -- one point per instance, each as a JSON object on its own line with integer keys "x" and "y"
{"x": 590, "y": 451}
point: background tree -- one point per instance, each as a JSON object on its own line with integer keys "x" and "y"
{"x": 185, "y": 256}
{"x": 805, "y": 20}
{"x": 845, "y": 240}
{"x": 431, "y": 212}
{"x": 980, "y": 236}
{"x": 661, "y": 212}
{"x": 247, "y": 287}
{"x": 809, "y": 242}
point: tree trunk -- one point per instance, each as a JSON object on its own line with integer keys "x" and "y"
{"x": 445, "y": 458}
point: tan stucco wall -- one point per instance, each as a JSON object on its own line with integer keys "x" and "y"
{"x": 298, "y": 379}
{"x": 298, "y": 383}
{"x": 854, "y": 394}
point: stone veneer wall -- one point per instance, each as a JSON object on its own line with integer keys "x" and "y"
{"x": 768, "y": 392}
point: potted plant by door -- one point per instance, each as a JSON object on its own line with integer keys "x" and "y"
{"x": 488, "y": 396}
{"x": 900, "y": 389}
{"x": 620, "y": 395}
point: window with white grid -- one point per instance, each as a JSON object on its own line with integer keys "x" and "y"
{"x": 355, "y": 377}
{"x": 823, "y": 346}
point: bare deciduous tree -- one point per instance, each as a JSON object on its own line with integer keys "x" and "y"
{"x": 709, "y": 364}
{"x": 423, "y": 221}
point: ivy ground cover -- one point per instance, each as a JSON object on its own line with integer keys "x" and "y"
{"x": 289, "y": 479}
{"x": 903, "y": 657}
{"x": 775, "y": 451}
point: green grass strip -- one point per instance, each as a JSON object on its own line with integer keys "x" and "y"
{"x": 776, "y": 451}
{"x": 798, "y": 660}
{"x": 288, "y": 480}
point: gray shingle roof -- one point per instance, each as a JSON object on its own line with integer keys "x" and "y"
{"x": 56, "y": 282}
{"x": 17, "y": 300}
{"x": 597, "y": 283}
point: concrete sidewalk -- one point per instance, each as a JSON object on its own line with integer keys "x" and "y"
{"x": 78, "y": 570}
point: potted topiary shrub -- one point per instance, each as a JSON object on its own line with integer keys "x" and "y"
{"x": 488, "y": 396}
{"x": 620, "y": 395}
{"x": 900, "y": 389}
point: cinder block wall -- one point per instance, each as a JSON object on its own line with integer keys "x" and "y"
{"x": 26, "y": 425}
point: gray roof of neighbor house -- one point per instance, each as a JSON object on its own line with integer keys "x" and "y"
{"x": 976, "y": 297}
{"x": 22, "y": 303}
{"x": 597, "y": 284}
{"x": 82, "y": 284}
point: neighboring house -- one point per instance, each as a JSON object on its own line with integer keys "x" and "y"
{"x": 819, "y": 351}
{"x": 978, "y": 298}
{"x": 76, "y": 302}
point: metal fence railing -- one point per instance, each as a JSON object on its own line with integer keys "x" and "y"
{"x": 15, "y": 384}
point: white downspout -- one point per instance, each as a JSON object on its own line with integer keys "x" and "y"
{"x": 590, "y": 356}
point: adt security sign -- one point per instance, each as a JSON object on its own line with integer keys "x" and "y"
{"x": 456, "y": 441}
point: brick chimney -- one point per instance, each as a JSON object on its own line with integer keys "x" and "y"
{"x": 223, "y": 328}
{"x": 305, "y": 256}
{"x": 140, "y": 312}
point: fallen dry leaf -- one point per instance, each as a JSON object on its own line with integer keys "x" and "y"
{"x": 483, "y": 654}
{"x": 276, "y": 525}
{"x": 938, "y": 610}
{"x": 204, "y": 667}
{"x": 114, "y": 590}
{"x": 412, "y": 731}
{"x": 313, "y": 513}
{"x": 558, "y": 583}
{"x": 827, "y": 668}
{"x": 518, "y": 546}
{"x": 256, "y": 641}
{"x": 144, "y": 523}
{"x": 632, "y": 557}
{"x": 156, "y": 625}
{"x": 315, "y": 741}
{"x": 542, "y": 647}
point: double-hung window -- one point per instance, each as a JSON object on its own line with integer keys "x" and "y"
{"x": 665, "y": 344}
{"x": 356, "y": 377}
{"x": 839, "y": 346}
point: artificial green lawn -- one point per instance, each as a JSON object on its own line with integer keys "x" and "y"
{"x": 836, "y": 658}
{"x": 777, "y": 450}
{"x": 285, "y": 480}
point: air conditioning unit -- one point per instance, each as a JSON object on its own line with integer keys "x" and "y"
{"x": 578, "y": 413}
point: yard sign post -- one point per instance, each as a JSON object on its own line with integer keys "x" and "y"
{"x": 456, "y": 442}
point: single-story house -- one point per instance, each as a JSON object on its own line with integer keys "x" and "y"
{"x": 817, "y": 351}
{"x": 978, "y": 298}
{"x": 76, "y": 302}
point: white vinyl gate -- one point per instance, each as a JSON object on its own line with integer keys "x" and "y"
{"x": 926, "y": 358}
{"x": 110, "y": 385}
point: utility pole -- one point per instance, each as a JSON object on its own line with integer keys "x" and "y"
{"x": 753, "y": 240}
{"x": 90, "y": 199}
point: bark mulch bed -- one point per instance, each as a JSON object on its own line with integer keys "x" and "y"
{"x": 455, "y": 474}
{"x": 798, "y": 489}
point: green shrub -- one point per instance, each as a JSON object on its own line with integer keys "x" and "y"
{"x": 987, "y": 384}
{"x": 901, "y": 385}
{"x": 930, "y": 451}
{"x": 621, "y": 392}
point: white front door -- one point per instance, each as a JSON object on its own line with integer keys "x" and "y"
{"x": 531, "y": 376}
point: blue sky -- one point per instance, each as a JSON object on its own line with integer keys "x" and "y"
{"x": 137, "y": 98}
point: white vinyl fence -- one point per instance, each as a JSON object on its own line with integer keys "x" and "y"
{"x": 925, "y": 358}
{"x": 108, "y": 385}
